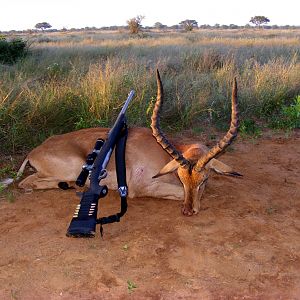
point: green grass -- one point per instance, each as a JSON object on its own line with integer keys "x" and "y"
{"x": 7, "y": 194}
{"x": 77, "y": 80}
{"x": 288, "y": 116}
{"x": 8, "y": 167}
{"x": 2, "y": 188}
{"x": 249, "y": 128}
{"x": 8, "y": 171}
{"x": 131, "y": 286}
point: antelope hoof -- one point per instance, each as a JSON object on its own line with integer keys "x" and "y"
{"x": 187, "y": 210}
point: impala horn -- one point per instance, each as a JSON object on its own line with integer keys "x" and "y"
{"x": 156, "y": 130}
{"x": 229, "y": 136}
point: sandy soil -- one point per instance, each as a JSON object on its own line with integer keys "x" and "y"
{"x": 244, "y": 244}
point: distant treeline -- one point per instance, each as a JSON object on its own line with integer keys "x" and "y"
{"x": 161, "y": 28}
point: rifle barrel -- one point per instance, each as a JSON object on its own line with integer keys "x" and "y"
{"x": 129, "y": 98}
{"x": 108, "y": 147}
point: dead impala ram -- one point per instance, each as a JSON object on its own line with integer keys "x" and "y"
{"x": 150, "y": 172}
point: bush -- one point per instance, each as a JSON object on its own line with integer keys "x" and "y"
{"x": 11, "y": 51}
{"x": 289, "y": 116}
{"x": 248, "y": 127}
{"x": 135, "y": 24}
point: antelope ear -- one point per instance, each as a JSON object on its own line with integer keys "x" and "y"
{"x": 221, "y": 168}
{"x": 168, "y": 168}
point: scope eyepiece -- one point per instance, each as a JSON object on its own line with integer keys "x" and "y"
{"x": 86, "y": 168}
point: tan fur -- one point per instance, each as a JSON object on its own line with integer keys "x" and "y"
{"x": 60, "y": 158}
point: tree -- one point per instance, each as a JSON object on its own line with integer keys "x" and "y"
{"x": 175, "y": 27}
{"x": 159, "y": 25}
{"x": 259, "y": 20}
{"x": 43, "y": 26}
{"x": 188, "y": 25}
{"x": 135, "y": 24}
{"x": 233, "y": 26}
{"x": 205, "y": 26}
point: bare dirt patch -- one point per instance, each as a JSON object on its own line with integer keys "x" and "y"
{"x": 244, "y": 244}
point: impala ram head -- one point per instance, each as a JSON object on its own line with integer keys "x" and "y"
{"x": 193, "y": 166}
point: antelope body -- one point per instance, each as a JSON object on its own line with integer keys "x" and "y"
{"x": 151, "y": 172}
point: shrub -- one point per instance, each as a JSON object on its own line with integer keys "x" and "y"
{"x": 289, "y": 116}
{"x": 248, "y": 127}
{"x": 11, "y": 51}
{"x": 135, "y": 24}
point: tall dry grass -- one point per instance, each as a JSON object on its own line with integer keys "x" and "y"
{"x": 75, "y": 80}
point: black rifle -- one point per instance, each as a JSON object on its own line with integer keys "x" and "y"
{"x": 85, "y": 219}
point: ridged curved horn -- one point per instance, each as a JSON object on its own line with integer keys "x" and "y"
{"x": 156, "y": 131}
{"x": 228, "y": 138}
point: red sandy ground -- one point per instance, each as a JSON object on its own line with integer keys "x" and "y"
{"x": 244, "y": 244}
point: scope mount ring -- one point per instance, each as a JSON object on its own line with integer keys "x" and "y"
{"x": 103, "y": 174}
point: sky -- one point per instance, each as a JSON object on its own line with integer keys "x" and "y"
{"x": 24, "y": 14}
